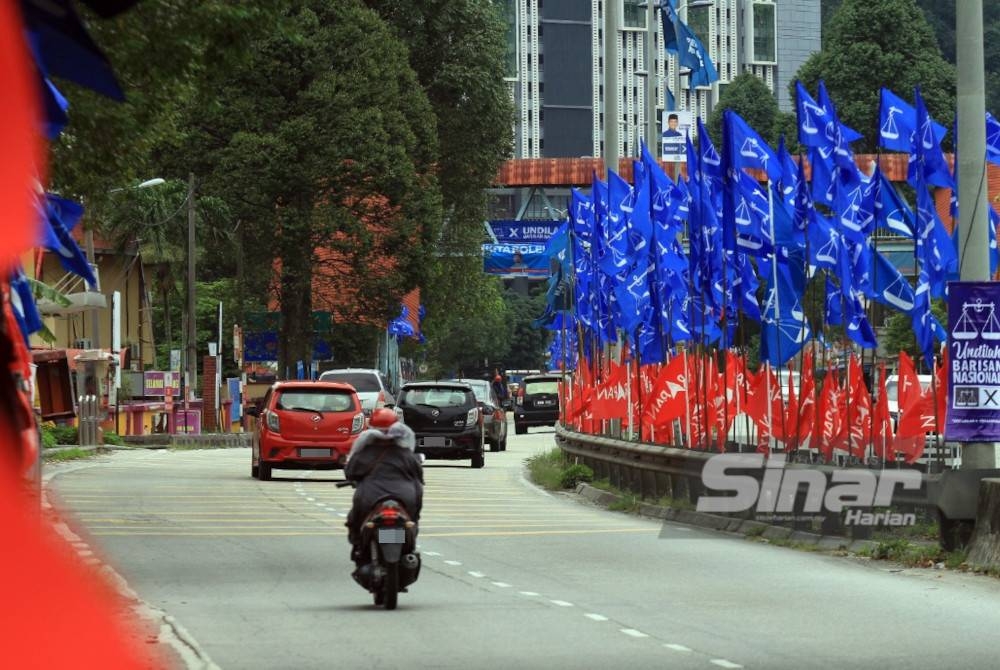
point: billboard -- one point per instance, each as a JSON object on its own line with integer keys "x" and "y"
{"x": 676, "y": 127}
{"x": 973, "y": 403}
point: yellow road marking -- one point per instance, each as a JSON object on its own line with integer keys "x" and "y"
{"x": 318, "y": 533}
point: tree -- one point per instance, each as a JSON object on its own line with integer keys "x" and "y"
{"x": 458, "y": 50}
{"x": 748, "y": 96}
{"x": 527, "y": 344}
{"x": 482, "y": 334}
{"x": 899, "y": 334}
{"x": 874, "y": 44}
{"x": 325, "y": 146}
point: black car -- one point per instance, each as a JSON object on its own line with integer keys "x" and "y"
{"x": 537, "y": 402}
{"x": 446, "y": 418}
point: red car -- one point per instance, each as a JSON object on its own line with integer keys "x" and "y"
{"x": 304, "y": 425}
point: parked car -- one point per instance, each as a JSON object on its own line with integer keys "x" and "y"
{"x": 446, "y": 419}
{"x": 494, "y": 416}
{"x": 304, "y": 425}
{"x": 537, "y": 402}
{"x": 370, "y": 384}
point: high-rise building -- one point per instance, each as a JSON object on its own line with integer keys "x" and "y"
{"x": 555, "y": 64}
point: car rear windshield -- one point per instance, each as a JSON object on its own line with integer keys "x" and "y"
{"x": 363, "y": 382}
{"x": 482, "y": 394}
{"x": 315, "y": 400}
{"x": 541, "y": 386}
{"x": 438, "y": 397}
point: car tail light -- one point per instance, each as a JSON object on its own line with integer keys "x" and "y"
{"x": 273, "y": 423}
{"x": 358, "y": 424}
{"x": 473, "y": 417}
{"x": 520, "y": 396}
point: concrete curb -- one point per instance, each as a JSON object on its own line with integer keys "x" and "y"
{"x": 745, "y": 527}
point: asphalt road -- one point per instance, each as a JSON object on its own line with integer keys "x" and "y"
{"x": 259, "y": 574}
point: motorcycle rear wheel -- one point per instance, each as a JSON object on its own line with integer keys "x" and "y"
{"x": 390, "y": 586}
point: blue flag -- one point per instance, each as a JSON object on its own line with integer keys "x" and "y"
{"x": 992, "y": 139}
{"x": 785, "y": 329}
{"x": 22, "y": 302}
{"x": 858, "y": 328}
{"x": 890, "y": 287}
{"x": 927, "y": 162}
{"x": 834, "y": 300}
{"x": 898, "y": 123}
{"x": 891, "y": 211}
{"x": 748, "y": 150}
{"x": 925, "y": 326}
{"x": 59, "y": 217}
{"x": 615, "y": 257}
{"x": 813, "y": 119}
{"x": 679, "y": 39}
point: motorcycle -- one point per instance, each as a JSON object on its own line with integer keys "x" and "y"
{"x": 388, "y": 535}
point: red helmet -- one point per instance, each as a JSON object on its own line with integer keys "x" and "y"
{"x": 498, "y": 378}
{"x": 383, "y": 418}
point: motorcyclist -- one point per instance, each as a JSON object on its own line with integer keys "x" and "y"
{"x": 384, "y": 464}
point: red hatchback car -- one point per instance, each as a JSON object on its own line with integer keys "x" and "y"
{"x": 305, "y": 426}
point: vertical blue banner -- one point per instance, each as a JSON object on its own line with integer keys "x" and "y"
{"x": 973, "y": 410}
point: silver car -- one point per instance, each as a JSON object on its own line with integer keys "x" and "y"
{"x": 373, "y": 391}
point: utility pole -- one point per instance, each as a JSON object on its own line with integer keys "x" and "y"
{"x": 612, "y": 21}
{"x": 192, "y": 338}
{"x": 95, "y": 315}
{"x": 973, "y": 252}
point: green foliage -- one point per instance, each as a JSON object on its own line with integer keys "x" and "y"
{"x": 54, "y": 435}
{"x": 113, "y": 439}
{"x": 899, "y": 334}
{"x": 48, "y": 437}
{"x": 575, "y": 474}
{"x": 478, "y": 329}
{"x": 528, "y": 345}
{"x": 546, "y": 469}
{"x": 748, "y": 96}
{"x": 324, "y": 140}
{"x": 873, "y": 44}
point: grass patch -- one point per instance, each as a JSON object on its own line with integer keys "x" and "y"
{"x": 113, "y": 439}
{"x": 68, "y": 455}
{"x": 675, "y": 503}
{"x": 627, "y": 503}
{"x": 755, "y": 531}
{"x": 792, "y": 544}
{"x": 554, "y": 472}
{"x": 903, "y": 551}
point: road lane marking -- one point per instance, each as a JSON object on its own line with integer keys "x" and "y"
{"x": 453, "y": 562}
{"x": 592, "y": 531}
{"x": 431, "y": 553}
{"x": 476, "y": 574}
{"x": 632, "y": 632}
{"x": 501, "y": 585}
{"x": 530, "y": 594}
{"x": 561, "y": 603}
{"x": 677, "y": 647}
{"x": 723, "y": 663}
{"x": 596, "y": 617}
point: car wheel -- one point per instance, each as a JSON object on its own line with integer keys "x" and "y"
{"x": 254, "y": 471}
{"x": 264, "y": 470}
{"x": 479, "y": 460}
{"x": 520, "y": 430}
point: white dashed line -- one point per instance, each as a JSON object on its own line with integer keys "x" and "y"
{"x": 320, "y": 504}
{"x": 341, "y": 514}
{"x": 677, "y": 647}
{"x": 530, "y": 594}
{"x": 453, "y": 562}
{"x": 501, "y": 585}
{"x": 310, "y": 500}
{"x": 632, "y": 632}
{"x": 431, "y": 553}
{"x": 596, "y": 617}
{"x": 477, "y": 574}
{"x": 561, "y": 603}
{"x": 723, "y": 663}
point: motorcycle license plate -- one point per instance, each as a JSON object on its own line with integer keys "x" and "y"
{"x": 391, "y": 536}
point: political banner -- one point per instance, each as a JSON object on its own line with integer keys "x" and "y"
{"x": 523, "y": 232}
{"x": 973, "y": 410}
{"x": 156, "y": 383}
{"x": 676, "y": 127}
{"x": 516, "y": 260}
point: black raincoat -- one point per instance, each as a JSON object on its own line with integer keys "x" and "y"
{"x": 384, "y": 464}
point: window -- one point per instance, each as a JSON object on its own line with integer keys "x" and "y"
{"x": 439, "y": 397}
{"x": 633, "y": 16}
{"x": 363, "y": 382}
{"x": 541, "y": 386}
{"x": 699, "y": 21}
{"x": 315, "y": 400}
{"x": 764, "y": 29}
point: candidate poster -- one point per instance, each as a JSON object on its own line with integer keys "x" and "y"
{"x": 973, "y": 413}
{"x": 676, "y": 127}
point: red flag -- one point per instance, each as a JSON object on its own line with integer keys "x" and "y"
{"x": 941, "y": 389}
{"x": 882, "y": 420}
{"x": 830, "y": 428}
{"x": 916, "y": 413}
{"x": 789, "y": 418}
{"x": 669, "y": 397}
{"x": 611, "y": 395}
{"x": 859, "y": 409}
{"x": 807, "y": 398}
{"x": 765, "y": 406}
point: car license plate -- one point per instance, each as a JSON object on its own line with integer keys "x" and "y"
{"x": 391, "y": 536}
{"x": 315, "y": 453}
{"x": 435, "y": 441}
{"x": 543, "y": 403}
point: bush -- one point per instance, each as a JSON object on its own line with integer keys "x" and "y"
{"x": 66, "y": 434}
{"x": 575, "y": 474}
{"x": 546, "y": 469}
{"x": 48, "y": 436}
{"x": 113, "y": 438}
